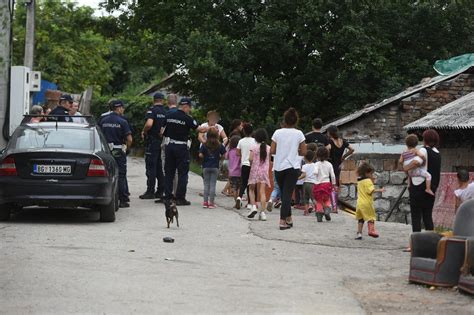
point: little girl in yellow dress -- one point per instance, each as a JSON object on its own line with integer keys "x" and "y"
{"x": 365, "y": 210}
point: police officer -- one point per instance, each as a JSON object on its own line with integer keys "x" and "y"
{"x": 178, "y": 124}
{"x": 154, "y": 121}
{"x": 118, "y": 134}
{"x": 65, "y": 104}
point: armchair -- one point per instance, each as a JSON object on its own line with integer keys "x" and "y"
{"x": 466, "y": 280}
{"x": 437, "y": 260}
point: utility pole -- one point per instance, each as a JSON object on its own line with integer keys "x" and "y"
{"x": 30, "y": 34}
{"x": 6, "y": 10}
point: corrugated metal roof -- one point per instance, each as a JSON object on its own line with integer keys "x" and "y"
{"x": 458, "y": 114}
{"x": 406, "y": 93}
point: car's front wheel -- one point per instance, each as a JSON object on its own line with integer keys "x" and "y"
{"x": 107, "y": 213}
{"x": 5, "y": 212}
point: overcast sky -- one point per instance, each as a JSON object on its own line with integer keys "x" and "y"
{"x": 92, "y": 3}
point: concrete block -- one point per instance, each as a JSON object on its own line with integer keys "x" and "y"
{"x": 397, "y": 178}
{"x": 377, "y": 164}
{"x": 382, "y": 205}
{"x": 353, "y": 191}
{"x": 392, "y": 191}
{"x": 382, "y": 179}
{"x": 344, "y": 191}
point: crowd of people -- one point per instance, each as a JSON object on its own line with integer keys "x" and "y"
{"x": 305, "y": 168}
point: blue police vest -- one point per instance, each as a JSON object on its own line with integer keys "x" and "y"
{"x": 115, "y": 128}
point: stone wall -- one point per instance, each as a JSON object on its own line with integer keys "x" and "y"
{"x": 389, "y": 176}
{"x": 386, "y": 124}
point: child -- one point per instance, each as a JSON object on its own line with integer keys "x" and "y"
{"x": 211, "y": 153}
{"x": 299, "y": 194}
{"x": 324, "y": 183}
{"x": 412, "y": 153}
{"x": 365, "y": 210}
{"x": 260, "y": 166}
{"x": 466, "y": 190}
{"x": 243, "y": 150}
{"x": 309, "y": 176}
{"x": 234, "y": 166}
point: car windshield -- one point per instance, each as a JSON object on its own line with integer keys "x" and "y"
{"x": 67, "y": 138}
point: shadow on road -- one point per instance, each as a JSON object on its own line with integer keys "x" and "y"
{"x": 55, "y": 216}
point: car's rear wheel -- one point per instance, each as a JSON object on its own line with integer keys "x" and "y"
{"x": 107, "y": 213}
{"x": 5, "y": 212}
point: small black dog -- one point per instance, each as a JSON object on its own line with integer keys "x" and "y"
{"x": 171, "y": 212}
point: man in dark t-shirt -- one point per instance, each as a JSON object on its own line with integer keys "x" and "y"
{"x": 315, "y": 136}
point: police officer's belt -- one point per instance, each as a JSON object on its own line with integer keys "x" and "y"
{"x": 178, "y": 142}
{"x": 116, "y": 146}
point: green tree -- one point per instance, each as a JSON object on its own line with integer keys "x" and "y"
{"x": 253, "y": 58}
{"x": 68, "y": 49}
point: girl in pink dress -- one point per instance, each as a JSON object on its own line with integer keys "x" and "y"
{"x": 259, "y": 169}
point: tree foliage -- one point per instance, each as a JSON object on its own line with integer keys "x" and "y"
{"x": 68, "y": 49}
{"x": 254, "y": 58}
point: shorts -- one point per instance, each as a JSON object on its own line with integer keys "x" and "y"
{"x": 235, "y": 183}
{"x": 307, "y": 193}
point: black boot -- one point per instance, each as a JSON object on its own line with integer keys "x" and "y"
{"x": 147, "y": 195}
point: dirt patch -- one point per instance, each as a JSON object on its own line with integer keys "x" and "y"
{"x": 395, "y": 295}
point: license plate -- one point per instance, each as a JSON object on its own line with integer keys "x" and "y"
{"x": 52, "y": 169}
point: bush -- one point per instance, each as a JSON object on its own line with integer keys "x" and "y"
{"x": 135, "y": 110}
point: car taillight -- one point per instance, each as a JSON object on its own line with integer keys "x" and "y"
{"x": 97, "y": 168}
{"x": 8, "y": 167}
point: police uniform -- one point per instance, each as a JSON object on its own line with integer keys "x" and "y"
{"x": 61, "y": 111}
{"x": 177, "y": 127}
{"x": 153, "y": 162}
{"x": 116, "y": 129}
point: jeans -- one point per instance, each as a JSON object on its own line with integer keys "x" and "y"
{"x": 154, "y": 168}
{"x": 286, "y": 181}
{"x": 176, "y": 159}
{"x": 121, "y": 159}
{"x": 276, "y": 190}
{"x": 209, "y": 176}
{"x": 421, "y": 207}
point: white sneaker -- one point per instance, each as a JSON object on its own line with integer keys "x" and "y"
{"x": 359, "y": 236}
{"x": 252, "y": 212}
{"x": 249, "y": 206}
{"x": 262, "y": 216}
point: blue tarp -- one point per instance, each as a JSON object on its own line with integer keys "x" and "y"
{"x": 39, "y": 97}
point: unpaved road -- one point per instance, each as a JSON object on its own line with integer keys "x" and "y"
{"x": 64, "y": 261}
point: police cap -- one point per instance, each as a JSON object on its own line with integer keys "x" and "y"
{"x": 66, "y": 97}
{"x": 116, "y": 103}
{"x": 185, "y": 101}
{"x": 158, "y": 96}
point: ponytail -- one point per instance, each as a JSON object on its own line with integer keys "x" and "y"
{"x": 261, "y": 137}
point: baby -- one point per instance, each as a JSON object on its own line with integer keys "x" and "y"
{"x": 413, "y": 154}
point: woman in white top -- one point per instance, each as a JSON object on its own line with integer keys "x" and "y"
{"x": 212, "y": 121}
{"x": 288, "y": 146}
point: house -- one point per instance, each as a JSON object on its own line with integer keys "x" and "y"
{"x": 384, "y": 121}
{"x": 165, "y": 86}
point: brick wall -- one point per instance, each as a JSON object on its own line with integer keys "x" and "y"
{"x": 389, "y": 176}
{"x": 386, "y": 124}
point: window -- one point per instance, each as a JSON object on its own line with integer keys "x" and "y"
{"x": 41, "y": 138}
